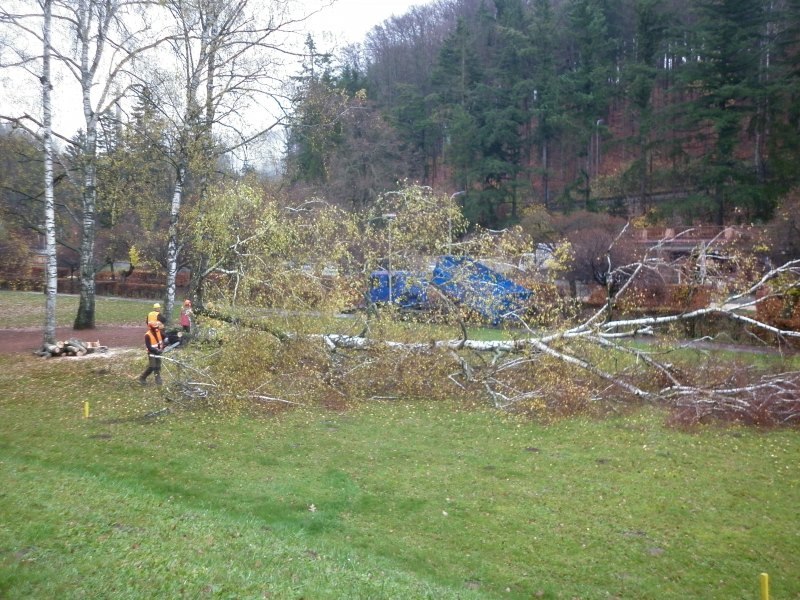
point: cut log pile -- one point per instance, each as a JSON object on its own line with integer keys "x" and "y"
{"x": 71, "y": 347}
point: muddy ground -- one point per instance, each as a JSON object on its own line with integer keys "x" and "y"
{"x": 29, "y": 340}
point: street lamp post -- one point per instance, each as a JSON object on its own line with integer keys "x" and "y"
{"x": 450, "y": 224}
{"x": 390, "y": 217}
{"x": 597, "y": 146}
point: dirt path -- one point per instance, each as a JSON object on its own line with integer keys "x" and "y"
{"x": 30, "y": 339}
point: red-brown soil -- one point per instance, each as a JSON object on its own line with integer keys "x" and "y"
{"x": 30, "y": 340}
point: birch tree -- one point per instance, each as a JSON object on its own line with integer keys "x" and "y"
{"x": 51, "y": 276}
{"x": 95, "y": 45}
{"x": 23, "y": 24}
{"x": 579, "y": 363}
{"x": 109, "y": 38}
{"x": 222, "y": 94}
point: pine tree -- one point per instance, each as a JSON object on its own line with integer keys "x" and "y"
{"x": 641, "y": 75}
{"x": 725, "y": 90}
{"x": 777, "y": 130}
{"x": 505, "y": 132}
{"x": 546, "y": 95}
{"x": 588, "y": 82}
{"x": 314, "y": 129}
{"x": 454, "y": 82}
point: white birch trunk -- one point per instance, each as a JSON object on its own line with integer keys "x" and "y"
{"x": 86, "y": 306}
{"x": 192, "y": 118}
{"x": 172, "y": 242}
{"x": 51, "y": 271}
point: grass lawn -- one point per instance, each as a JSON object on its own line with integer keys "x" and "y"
{"x": 404, "y": 500}
{"x": 148, "y": 498}
{"x": 26, "y": 309}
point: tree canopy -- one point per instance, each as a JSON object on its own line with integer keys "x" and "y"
{"x": 670, "y": 112}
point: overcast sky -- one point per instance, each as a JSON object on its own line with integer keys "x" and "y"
{"x": 346, "y": 21}
{"x": 350, "y": 20}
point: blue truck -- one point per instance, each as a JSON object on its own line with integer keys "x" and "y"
{"x": 462, "y": 279}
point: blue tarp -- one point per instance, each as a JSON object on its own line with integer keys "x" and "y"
{"x": 408, "y": 291}
{"x": 462, "y": 279}
{"x": 482, "y": 289}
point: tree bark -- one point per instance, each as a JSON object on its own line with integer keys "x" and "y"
{"x": 85, "y": 319}
{"x": 51, "y": 271}
{"x": 172, "y": 241}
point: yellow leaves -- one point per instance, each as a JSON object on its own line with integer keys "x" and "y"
{"x": 642, "y": 221}
{"x": 561, "y": 258}
{"x": 133, "y": 256}
{"x": 315, "y": 255}
{"x": 423, "y": 224}
{"x": 509, "y": 242}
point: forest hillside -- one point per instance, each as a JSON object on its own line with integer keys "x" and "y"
{"x": 686, "y": 109}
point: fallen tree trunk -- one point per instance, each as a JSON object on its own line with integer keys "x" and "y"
{"x": 586, "y": 360}
{"x": 242, "y": 322}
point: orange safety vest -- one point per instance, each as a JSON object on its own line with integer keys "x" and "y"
{"x": 155, "y": 338}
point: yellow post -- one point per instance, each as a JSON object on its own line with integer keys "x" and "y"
{"x": 85, "y": 410}
{"x": 764, "y": 579}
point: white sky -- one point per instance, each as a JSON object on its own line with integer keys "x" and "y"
{"x": 350, "y": 20}
{"x": 344, "y": 22}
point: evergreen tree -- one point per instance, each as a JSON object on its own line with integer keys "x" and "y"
{"x": 678, "y": 94}
{"x": 641, "y": 73}
{"x": 484, "y": 109}
{"x": 588, "y": 83}
{"x": 454, "y": 102}
{"x": 546, "y": 95}
{"x": 314, "y": 129}
{"x": 725, "y": 95}
{"x": 414, "y": 118}
{"x": 507, "y": 107}
{"x": 778, "y": 125}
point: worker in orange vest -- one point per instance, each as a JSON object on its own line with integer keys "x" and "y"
{"x": 154, "y": 342}
{"x": 155, "y": 314}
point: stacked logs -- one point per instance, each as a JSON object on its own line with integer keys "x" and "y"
{"x": 71, "y": 347}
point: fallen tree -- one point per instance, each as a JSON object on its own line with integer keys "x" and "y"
{"x": 553, "y": 368}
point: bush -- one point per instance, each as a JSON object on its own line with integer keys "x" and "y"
{"x": 781, "y": 311}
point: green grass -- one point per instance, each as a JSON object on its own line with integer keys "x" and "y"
{"x": 386, "y": 500}
{"x": 26, "y": 309}
{"x": 406, "y": 500}
{"x": 756, "y": 357}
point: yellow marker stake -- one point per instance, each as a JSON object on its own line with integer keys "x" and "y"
{"x": 85, "y": 410}
{"x": 764, "y": 579}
